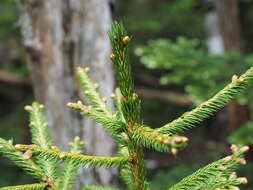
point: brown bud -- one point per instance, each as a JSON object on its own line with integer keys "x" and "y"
{"x": 174, "y": 151}
{"x": 19, "y": 146}
{"x": 126, "y": 40}
{"x": 27, "y": 155}
{"x": 176, "y": 140}
{"x": 228, "y": 158}
{"x": 234, "y": 78}
{"x": 96, "y": 85}
{"x": 77, "y": 138}
{"x": 242, "y": 180}
{"x": 241, "y": 79}
{"x": 104, "y": 99}
{"x": 244, "y": 149}
{"x": 160, "y": 139}
{"x": 55, "y": 148}
{"x": 185, "y": 139}
{"x": 62, "y": 155}
{"x": 222, "y": 168}
{"x": 41, "y": 106}
{"x": 71, "y": 105}
{"x": 112, "y": 56}
{"x": 86, "y": 69}
{"x": 235, "y": 188}
{"x": 234, "y": 148}
{"x": 233, "y": 175}
{"x": 28, "y": 108}
{"x": 112, "y": 96}
{"x": 241, "y": 161}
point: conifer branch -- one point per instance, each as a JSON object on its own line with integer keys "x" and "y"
{"x": 41, "y": 137}
{"x": 146, "y": 137}
{"x": 129, "y": 103}
{"x": 69, "y": 175}
{"x": 91, "y": 93}
{"x": 78, "y": 159}
{"x": 208, "y": 108}
{"x": 215, "y": 174}
{"x": 112, "y": 124}
{"x": 119, "y": 42}
{"x": 38, "y": 186}
{"x": 9, "y": 151}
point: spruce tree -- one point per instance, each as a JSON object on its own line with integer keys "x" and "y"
{"x": 42, "y": 158}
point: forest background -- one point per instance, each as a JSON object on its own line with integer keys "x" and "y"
{"x": 182, "y": 53}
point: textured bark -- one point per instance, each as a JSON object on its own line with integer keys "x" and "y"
{"x": 59, "y": 36}
{"x": 228, "y": 13}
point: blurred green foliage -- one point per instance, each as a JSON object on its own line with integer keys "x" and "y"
{"x": 243, "y": 135}
{"x": 187, "y": 64}
{"x": 8, "y": 18}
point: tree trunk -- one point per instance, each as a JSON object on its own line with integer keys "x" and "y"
{"x": 228, "y": 13}
{"x": 60, "y": 35}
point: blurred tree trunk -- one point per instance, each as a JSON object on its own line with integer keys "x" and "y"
{"x": 59, "y": 36}
{"x": 228, "y": 13}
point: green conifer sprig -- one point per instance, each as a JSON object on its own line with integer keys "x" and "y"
{"x": 9, "y": 151}
{"x": 208, "y": 108}
{"x": 39, "y": 186}
{"x": 89, "y": 89}
{"x": 120, "y": 58}
{"x": 70, "y": 171}
{"x": 41, "y": 137}
{"x": 215, "y": 174}
{"x": 112, "y": 124}
{"x": 146, "y": 137}
{"x": 78, "y": 159}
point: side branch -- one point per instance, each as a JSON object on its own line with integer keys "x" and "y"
{"x": 9, "y": 151}
{"x": 146, "y": 137}
{"x": 82, "y": 160}
{"x": 112, "y": 124}
{"x": 204, "y": 110}
{"x": 90, "y": 91}
{"x": 38, "y": 186}
{"x": 216, "y": 175}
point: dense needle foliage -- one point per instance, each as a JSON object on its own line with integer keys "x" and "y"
{"x": 41, "y": 159}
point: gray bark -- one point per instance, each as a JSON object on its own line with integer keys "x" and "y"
{"x": 59, "y": 36}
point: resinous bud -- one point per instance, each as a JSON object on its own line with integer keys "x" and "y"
{"x": 241, "y": 161}
{"x": 177, "y": 140}
{"x": 126, "y": 40}
{"x": 27, "y": 155}
{"x": 233, "y": 175}
{"x": 112, "y": 56}
{"x": 244, "y": 149}
{"x": 234, "y": 148}
{"x": 228, "y": 158}
{"x": 96, "y": 85}
{"x": 86, "y": 69}
{"x": 28, "y": 108}
{"x": 62, "y": 155}
{"x": 242, "y": 180}
{"x": 222, "y": 168}
{"x": 234, "y": 188}
{"x": 234, "y": 78}
{"x": 174, "y": 151}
